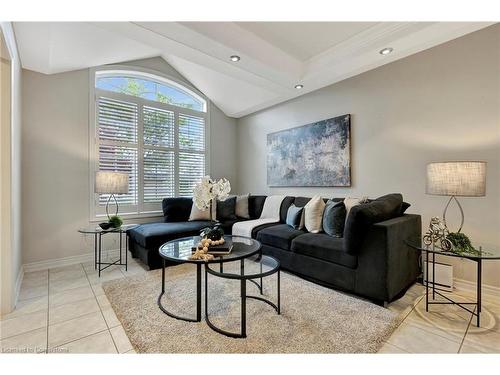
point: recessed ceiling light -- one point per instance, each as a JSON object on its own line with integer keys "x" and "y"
{"x": 386, "y": 51}
{"x": 298, "y": 87}
{"x": 235, "y": 58}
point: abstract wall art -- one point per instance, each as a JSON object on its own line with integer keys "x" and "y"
{"x": 316, "y": 154}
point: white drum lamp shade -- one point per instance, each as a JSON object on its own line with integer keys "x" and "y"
{"x": 457, "y": 178}
{"x": 111, "y": 182}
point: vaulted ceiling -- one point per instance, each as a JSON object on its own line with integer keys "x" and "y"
{"x": 275, "y": 56}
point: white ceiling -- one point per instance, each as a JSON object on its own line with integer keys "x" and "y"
{"x": 304, "y": 40}
{"x": 275, "y": 56}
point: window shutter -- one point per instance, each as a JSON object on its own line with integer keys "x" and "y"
{"x": 158, "y": 127}
{"x": 191, "y": 170}
{"x": 159, "y": 180}
{"x": 153, "y": 132}
{"x": 191, "y": 164}
{"x": 119, "y": 159}
{"x": 117, "y": 121}
{"x": 191, "y": 133}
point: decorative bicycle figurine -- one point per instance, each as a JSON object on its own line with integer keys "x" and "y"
{"x": 437, "y": 234}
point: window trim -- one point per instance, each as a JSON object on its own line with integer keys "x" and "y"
{"x": 94, "y": 215}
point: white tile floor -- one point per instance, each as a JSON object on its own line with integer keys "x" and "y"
{"x": 65, "y": 310}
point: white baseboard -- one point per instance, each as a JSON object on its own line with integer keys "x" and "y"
{"x": 68, "y": 261}
{"x": 471, "y": 286}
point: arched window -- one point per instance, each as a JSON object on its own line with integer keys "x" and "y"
{"x": 152, "y": 128}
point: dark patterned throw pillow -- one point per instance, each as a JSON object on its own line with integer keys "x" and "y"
{"x": 334, "y": 218}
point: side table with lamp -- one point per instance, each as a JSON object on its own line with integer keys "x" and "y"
{"x": 453, "y": 179}
{"x": 111, "y": 183}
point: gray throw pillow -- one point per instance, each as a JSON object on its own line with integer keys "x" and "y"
{"x": 242, "y": 209}
{"x": 334, "y": 218}
{"x": 294, "y": 216}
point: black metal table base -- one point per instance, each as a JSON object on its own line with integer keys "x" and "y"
{"x": 198, "y": 296}
{"x": 464, "y": 305}
{"x": 244, "y": 297}
{"x": 98, "y": 252}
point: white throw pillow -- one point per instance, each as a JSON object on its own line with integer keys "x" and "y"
{"x": 242, "y": 206}
{"x": 313, "y": 214}
{"x": 197, "y": 214}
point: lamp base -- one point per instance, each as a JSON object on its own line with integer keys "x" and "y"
{"x": 461, "y": 213}
{"x": 107, "y": 206}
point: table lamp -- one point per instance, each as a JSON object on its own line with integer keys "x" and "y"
{"x": 111, "y": 183}
{"x": 456, "y": 179}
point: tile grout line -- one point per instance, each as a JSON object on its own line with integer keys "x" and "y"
{"x": 80, "y": 338}
{"x": 414, "y": 305}
{"x": 100, "y": 309}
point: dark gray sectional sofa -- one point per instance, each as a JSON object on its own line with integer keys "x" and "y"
{"x": 372, "y": 261}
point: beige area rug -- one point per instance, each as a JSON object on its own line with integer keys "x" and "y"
{"x": 314, "y": 319}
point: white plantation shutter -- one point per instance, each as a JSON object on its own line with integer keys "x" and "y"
{"x": 191, "y": 133}
{"x": 160, "y": 146}
{"x": 191, "y": 170}
{"x": 117, "y": 129}
{"x": 117, "y": 120}
{"x": 158, "y": 127}
{"x": 159, "y": 179}
{"x": 191, "y": 154}
{"x": 119, "y": 159}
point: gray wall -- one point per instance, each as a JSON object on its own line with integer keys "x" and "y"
{"x": 440, "y": 104}
{"x": 55, "y": 158}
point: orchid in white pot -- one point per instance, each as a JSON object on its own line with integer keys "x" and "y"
{"x": 208, "y": 190}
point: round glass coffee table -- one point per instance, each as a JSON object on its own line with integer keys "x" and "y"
{"x": 180, "y": 251}
{"x": 430, "y": 252}
{"x": 250, "y": 269}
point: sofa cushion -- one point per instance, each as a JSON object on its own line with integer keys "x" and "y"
{"x": 334, "y": 218}
{"x": 313, "y": 214}
{"x": 325, "y": 247}
{"x": 404, "y": 207}
{"x": 227, "y": 225}
{"x": 226, "y": 209}
{"x": 258, "y": 228}
{"x": 361, "y": 217}
{"x": 255, "y": 205}
{"x": 241, "y": 208}
{"x": 176, "y": 209}
{"x": 280, "y": 236}
{"x": 294, "y": 216}
{"x": 285, "y": 205}
{"x": 301, "y": 201}
{"x": 152, "y": 235}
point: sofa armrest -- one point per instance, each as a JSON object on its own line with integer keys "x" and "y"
{"x": 386, "y": 264}
{"x": 176, "y": 209}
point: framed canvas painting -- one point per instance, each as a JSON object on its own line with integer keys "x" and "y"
{"x": 317, "y": 154}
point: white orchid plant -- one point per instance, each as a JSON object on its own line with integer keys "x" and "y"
{"x": 208, "y": 190}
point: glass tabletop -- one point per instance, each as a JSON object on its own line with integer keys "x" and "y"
{"x": 418, "y": 244}
{"x": 93, "y": 229}
{"x": 180, "y": 250}
{"x": 253, "y": 267}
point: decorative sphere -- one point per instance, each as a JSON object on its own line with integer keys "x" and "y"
{"x": 205, "y": 249}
